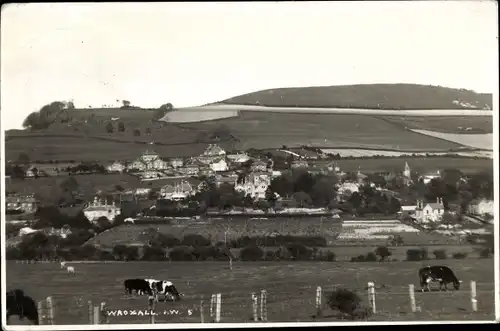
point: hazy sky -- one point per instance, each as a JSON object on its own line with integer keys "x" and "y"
{"x": 195, "y": 53}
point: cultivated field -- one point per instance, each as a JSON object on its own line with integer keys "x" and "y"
{"x": 291, "y": 288}
{"x": 448, "y": 124}
{"x": 418, "y": 164}
{"x": 272, "y": 130}
{"x": 186, "y": 116}
{"x": 483, "y": 141}
{"x": 351, "y": 152}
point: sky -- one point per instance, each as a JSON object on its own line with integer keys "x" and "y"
{"x": 191, "y": 54}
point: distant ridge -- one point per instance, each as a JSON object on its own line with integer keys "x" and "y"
{"x": 367, "y": 96}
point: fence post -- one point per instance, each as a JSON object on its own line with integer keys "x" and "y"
{"x": 50, "y": 309}
{"x": 104, "y": 313}
{"x": 218, "y": 307}
{"x": 202, "y": 314}
{"x": 371, "y": 296}
{"x": 91, "y": 313}
{"x": 473, "y": 297}
{"x": 212, "y": 303}
{"x": 97, "y": 315}
{"x": 41, "y": 313}
{"x": 318, "y": 301}
{"x": 254, "y": 307}
{"x": 152, "y": 308}
{"x": 411, "y": 289}
{"x": 263, "y": 305}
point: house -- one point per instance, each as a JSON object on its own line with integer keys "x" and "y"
{"x": 347, "y": 188}
{"x": 142, "y": 191}
{"x": 98, "y": 209}
{"x": 148, "y": 161}
{"x": 333, "y": 167}
{"x": 258, "y": 165}
{"x": 23, "y": 203}
{"x": 229, "y": 179}
{"x": 238, "y": 158}
{"x": 255, "y": 185}
{"x": 299, "y": 164}
{"x": 430, "y": 176}
{"x": 176, "y": 162}
{"x": 219, "y": 165}
{"x": 275, "y": 173}
{"x": 481, "y": 207}
{"x": 408, "y": 210}
{"x": 429, "y": 212}
{"x": 190, "y": 170}
{"x": 116, "y": 166}
{"x": 31, "y": 172}
{"x": 214, "y": 150}
{"x": 361, "y": 177}
{"x": 151, "y": 174}
{"x": 178, "y": 191}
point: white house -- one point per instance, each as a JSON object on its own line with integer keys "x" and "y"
{"x": 214, "y": 150}
{"x": 430, "y": 212}
{"x": 219, "y": 165}
{"x": 481, "y": 207}
{"x": 179, "y": 191}
{"x": 176, "y": 162}
{"x": 348, "y": 187}
{"x": 22, "y": 203}
{"x": 98, "y": 209}
{"x": 116, "y": 166}
{"x": 148, "y": 161}
{"x": 430, "y": 176}
{"x": 238, "y": 158}
{"x": 255, "y": 185}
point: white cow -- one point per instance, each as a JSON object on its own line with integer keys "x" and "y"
{"x": 70, "y": 269}
{"x": 63, "y": 264}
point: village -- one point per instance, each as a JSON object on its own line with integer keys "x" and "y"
{"x": 217, "y": 183}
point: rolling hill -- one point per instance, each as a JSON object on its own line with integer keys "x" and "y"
{"x": 368, "y": 96}
{"x": 84, "y": 134}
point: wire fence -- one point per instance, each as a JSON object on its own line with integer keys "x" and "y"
{"x": 303, "y": 303}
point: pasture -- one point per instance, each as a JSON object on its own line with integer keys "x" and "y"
{"x": 358, "y": 153}
{"x": 483, "y": 141}
{"x": 262, "y": 130}
{"x": 291, "y": 288}
{"x": 194, "y": 115}
{"x": 446, "y": 124}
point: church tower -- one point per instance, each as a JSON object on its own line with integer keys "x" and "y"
{"x": 407, "y": 172}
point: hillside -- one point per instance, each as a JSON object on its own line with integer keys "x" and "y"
{"x": 372, "y": 96}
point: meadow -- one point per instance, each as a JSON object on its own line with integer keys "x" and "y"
{"x": 352, "y": 152}
{"x": 194, "y": 115}
{"x": 262, "y": 130}
{"x": 446, "y": 124}
{"x": 483, "y": 141}
{"x": 291, "y": 288}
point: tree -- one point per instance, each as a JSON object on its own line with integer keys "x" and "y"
{"x": 167, "y": 106}
{"x": 302, "y": 199}
{"x": 110, "y": 128}
{"x": 323, "y": 191}
{"x": 125, "y": 103}
{"x": 270, "y": 197}
{"x": 23, "y": 158}
{"x": 121, "y": 127}
{"x": 383, "y": 252}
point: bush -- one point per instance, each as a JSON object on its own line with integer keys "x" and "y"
{"x": 330, "y": 256}
{"x": 195, "y": 240}
{"x": 279, "y": 240}
{"x": 440, "y": 254}
{"x": 299, "y": 252}
{"x": 270, "y": 256}
{"x": 251, "y": 253}
{"x": 153, "y": 254}
{"x": 370, "y": 257}
{"x": 346, "y": 302}
{"x": 459, "y": 255}
{"x": 383, "y": 252}
{"x": 414, "y": 254}
{"x": 359, "y": 258}
{"x": 181, "y": 254}
{"x": 485, "y": 253}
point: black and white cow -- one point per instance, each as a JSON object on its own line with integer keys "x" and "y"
{"x": 22, "y": 306}
{"x": 141, "y": 286}
{"x": 440, "y": 274}
{"x": 167, "y": 288}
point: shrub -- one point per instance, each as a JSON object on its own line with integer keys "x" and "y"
{"x": 459, "y": 255}
{"x": 153, "y": 254}
{"x": 270, "y": 256}
{"x": 370, "y": 257}
{"x": 440, "y": 254}
{"x": 345, "y": 301}
{"x": 383, "y": 252}
{"x": 195, "y": 240}
{"x": 251, "y": 253}
{"x": 359, "y": 258}
{"x": 485, "y": 253}
{"x": 204, "y": 253}
{"x": 415, "y": 254}
{"x": 299, "y": 252}
{"x": 181, "y": 254}
{"x": 330, "y": 256}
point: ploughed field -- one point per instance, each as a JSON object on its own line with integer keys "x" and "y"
{"x": 291, "y": 288}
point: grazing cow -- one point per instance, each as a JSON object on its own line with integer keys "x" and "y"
{"x": 440, "y": 274}
{"x": 141, "y": 286}
{"x": 70, "y": 269}
{"x": 22, "y": 306}
{"x": 169, "y": 288}
{"x": 63, "y": 264}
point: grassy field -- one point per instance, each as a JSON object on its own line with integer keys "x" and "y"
{"x": 291, "y": 289}
{"x": 352, "y": 152}
{"x": 447, "y": 124}
{"x": 481, "y": 140}
{"x": 272, "y": 130}
{"x": 374, "y": 96}
{"x": 418, "y": 164}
